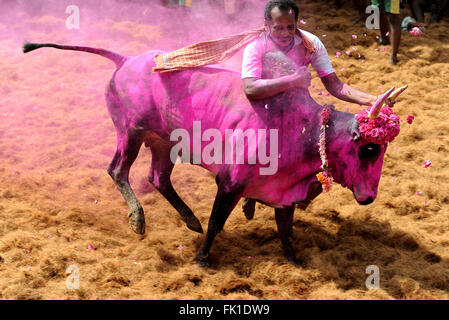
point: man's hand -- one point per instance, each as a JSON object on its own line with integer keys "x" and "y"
{"x": 301, "y": 78}
{"x": 388, "y": 102}
{"x": 263, "y": 88}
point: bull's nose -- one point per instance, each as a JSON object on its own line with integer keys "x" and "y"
{"x": 367, "y": 201}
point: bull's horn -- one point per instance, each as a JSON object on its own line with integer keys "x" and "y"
{"x": 378, "y": 104}
{"x": 396, "y": 93}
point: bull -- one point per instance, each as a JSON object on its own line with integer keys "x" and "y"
{"x": 146, "y": 107}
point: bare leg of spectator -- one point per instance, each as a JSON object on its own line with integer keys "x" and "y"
{"x": 416, "y": 7}
{"x": 395, "y": 22}
{"x": 439, "y": 11}
{"x": 384, "y": 27}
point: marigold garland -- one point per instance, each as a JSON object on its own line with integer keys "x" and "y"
{"x": 324, "y": 177}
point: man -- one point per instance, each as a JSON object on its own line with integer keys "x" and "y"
{"x": 281, "y": 34}
{"x": 389, "y": 14}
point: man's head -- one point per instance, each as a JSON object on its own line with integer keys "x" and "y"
{"x": 280, "y": 21}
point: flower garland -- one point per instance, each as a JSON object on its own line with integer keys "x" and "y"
{"x": 324, "y": 177}
{"x": 380, "y": 130}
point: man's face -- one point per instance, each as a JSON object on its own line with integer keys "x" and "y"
{"x": 282, "y": 27}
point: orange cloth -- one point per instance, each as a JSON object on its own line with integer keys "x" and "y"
{"x": 213, "y": 51}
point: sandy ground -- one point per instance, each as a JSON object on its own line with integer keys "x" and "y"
{"x": 57, "y": 201}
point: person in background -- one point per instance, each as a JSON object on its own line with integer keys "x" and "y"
{"x": 390, "y": 22}
{"x": 438, "y": 9}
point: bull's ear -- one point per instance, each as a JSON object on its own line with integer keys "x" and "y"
{"x": 355, "y": 132}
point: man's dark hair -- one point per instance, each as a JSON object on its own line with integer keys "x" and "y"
{"x": 283, "y": 5}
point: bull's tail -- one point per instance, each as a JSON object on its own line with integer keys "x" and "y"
{"x": 117, "y": 58}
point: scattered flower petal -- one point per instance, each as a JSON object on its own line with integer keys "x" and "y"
{"x": 338, "y": 53}
{"x": 387, "y": 34}
{"x": 354, "y": 36}
{"x": 416, "y": 32}
{"x": 90, "y": 247}
{"x": 427, "y": 163}
{"x": 302, "y": 21}
{"x": 410, "y": 119}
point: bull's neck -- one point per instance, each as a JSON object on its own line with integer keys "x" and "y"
{"x": 338, "y": 133}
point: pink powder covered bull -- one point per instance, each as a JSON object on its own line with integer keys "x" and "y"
{"x": 147, "y": 107}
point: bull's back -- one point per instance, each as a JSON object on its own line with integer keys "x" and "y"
{"x": 211, "y": 95}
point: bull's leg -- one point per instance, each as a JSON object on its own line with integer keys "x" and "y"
{"x": 249, "y": 206}
{"x": 127, "y": 150}
{"x": 159, "y": 177}
{"x": 225, "y": 201}
{"x": 284, "y": 221}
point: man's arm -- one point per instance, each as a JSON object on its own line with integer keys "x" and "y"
{"x": 256, "y": 88}
{"x": 345, "y": 92}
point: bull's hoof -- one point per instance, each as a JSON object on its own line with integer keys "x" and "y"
{"x": 202, "y": 261}
{"x": 137, "y": 221}
{"x": 249, "y": 207}
{"x": 194, "y": 224}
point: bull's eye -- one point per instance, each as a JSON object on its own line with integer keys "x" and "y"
{"x": 369, "y": 152}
